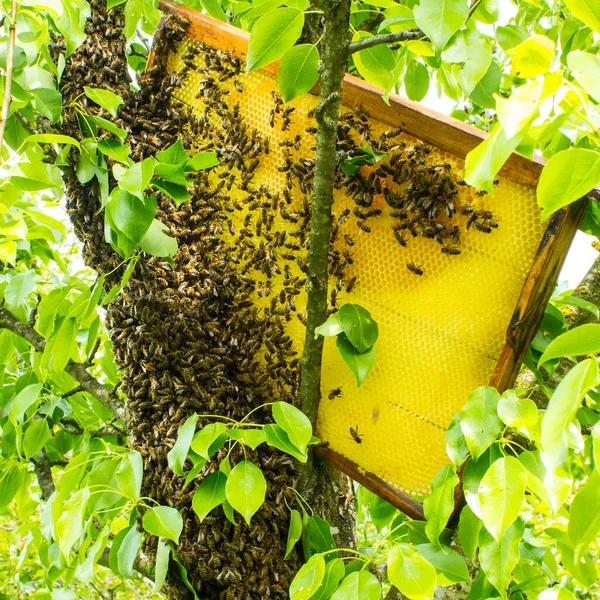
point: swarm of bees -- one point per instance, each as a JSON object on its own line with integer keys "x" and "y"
{"x": 209, "y": 333}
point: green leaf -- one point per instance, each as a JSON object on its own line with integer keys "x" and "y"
{"x": 566, "y": 177}
{"x": 201, "y": 161}
{"x": 129, "y": 475}
{"x": 69, "y": 525}
{"x": 584, "y": 516}
{"x": 173, "y": 156}
{"x": 213, "y": 8}
{"x": 456, "y": 444}
{"x": 330, "y": 328}
{"x": 414, "y": 576}
{"x": 163, "y": 521}
{"x": 295, "y": 423}
{"x": 136, "y": 178}
{"x": 374, "y": 64}
{"x": 17, "y": 291}
{"x": 23, "y": 400}
{"x": 469, "y": 526}
{"x": 35, "y": 438}
{"x": 209, "y": 439}
{"x": 441, "y": 20}
{"x": 48, "y": 102}
{"x": 516, "y": 412}
{"x": 319, "y": 533}
{"x": 416, "y": 80}
{"x": 161, "y": 565}
{"x": 501, "y": 495}
{"x": 438, "y": 506}
{"x": 563, "y": 406}
{"x": 360, "y": 585}
{"x": 249, "y": 437}
{"x": 584, "y": 339}
{"x": 128, "y": 551}
{"x": 358, "y": 325}
{"x": 177, "y": 455}
{"x": 278, "y": 438}
{"x": 479, "y": 420}
{"x": 309, "y": 577}
{"x": 272, "y": 36}
{"x": 360, "y": 363}
{"x": 448, "y": 563}
{"x": 532, "y": 57}
{"x": 52, "y": 138}
{"x": 483, "y": 162}
{"x": 483, "y": 93}
{"x": 294, "y": 532}
{"x": 156, "y": 242}
{"x": 246, "y": 488}
{"x": 471, "y": 53}
{"x": 108, "y": 100}
{"x": 585, "y": 67}
{"x": 498, "y": 559}
{"x": 210, "y": 494}
{"x": 334, "y": 572}
{"x": 62, "y": 345}
{"x": 473, "y": 473}
{"x": 107, "y": 125}
{"x": 9, "y": 485}
{"x": 298, "y": 71}
{"x": 130, "y": 215}
{"x": 199, "y": 464}
{"x": 587, "y": 11}
{"x": 71, "y": 23}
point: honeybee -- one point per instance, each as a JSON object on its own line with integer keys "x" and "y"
{"x": 417, "y": 270}
{"x": 335, "y": 393}
{"x": 450, "y": 250}
{"x": 357, "y": 437}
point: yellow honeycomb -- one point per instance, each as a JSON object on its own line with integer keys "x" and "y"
{"x": 440, "y": 334}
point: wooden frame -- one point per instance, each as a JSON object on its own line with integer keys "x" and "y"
{"x": 459, "y": 139}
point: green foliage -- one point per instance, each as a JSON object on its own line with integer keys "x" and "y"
{"x": 531, "y": 515}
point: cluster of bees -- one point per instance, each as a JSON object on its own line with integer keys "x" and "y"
{"x": 209, "y": 333}
{"x": 422, "y": 196}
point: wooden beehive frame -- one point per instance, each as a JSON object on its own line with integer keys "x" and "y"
{"x": 455, "y": 137}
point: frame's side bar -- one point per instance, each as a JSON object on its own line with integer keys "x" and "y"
{"x": 404, "y": 503}
{"x": 428, "y": 125}
{"x": 536, "y": 292}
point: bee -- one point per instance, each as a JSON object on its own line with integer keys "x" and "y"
{"x": 351, "y": 284}
{"x": 481, "y": 227}
{"x": 450, "y": 250}
{"x": 348, "y": 239}
{"x": 357, "y": 437}
{"x": 362, "y": 225}
{"x": 335, "y": 393}
{"x": 333, "y": 297}
{"x": 417, "y": 270}
{"x": 400, "y": 238}
{"x": 238, "y": 86}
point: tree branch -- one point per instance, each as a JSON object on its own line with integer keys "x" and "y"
{"x": 334, "y": 54}
{"x": 386, "y": 38}
{"x": 77, "y": 370}
{"x": 12, "y": 32}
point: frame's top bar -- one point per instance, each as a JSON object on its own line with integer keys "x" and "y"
{"x": 440, "y": 130}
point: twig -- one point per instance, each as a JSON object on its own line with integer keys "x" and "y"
{"x": 12, "y": 32}
{"x": 334, "y": 54}
{"x": 77, "y": 370}
{"x": 386, "y": 38}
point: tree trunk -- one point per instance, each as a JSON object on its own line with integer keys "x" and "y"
{"x": 186, "y": 337}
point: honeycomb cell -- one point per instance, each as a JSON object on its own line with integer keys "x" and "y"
{"x": 440, "y": 334}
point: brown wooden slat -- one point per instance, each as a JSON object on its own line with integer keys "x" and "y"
{"x": 536, "y": 292}
{"x": 383, "y": 489}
